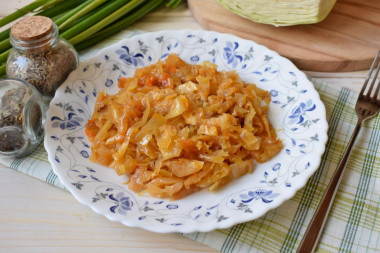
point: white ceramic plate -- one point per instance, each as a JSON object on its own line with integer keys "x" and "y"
{"x": 295, "y": 111}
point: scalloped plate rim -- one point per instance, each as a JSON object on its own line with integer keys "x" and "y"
{"x": 286, "y": 195}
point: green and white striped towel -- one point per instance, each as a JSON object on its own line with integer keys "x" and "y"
{"x": 354, "y": 222}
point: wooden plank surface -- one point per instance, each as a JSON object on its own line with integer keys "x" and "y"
{"x": 346, "y": 40}
{"x": 37, "y": 217}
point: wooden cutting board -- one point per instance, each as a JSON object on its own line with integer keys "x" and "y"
{"x": 347, "y": 40}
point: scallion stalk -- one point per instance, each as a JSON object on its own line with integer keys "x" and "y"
{"x": 106, "y": 21}
{"x": 94, "y": 4}
{"x": 53, "y": 12}
{"x": 83, "y": 22}
{"x": 2, "y": 70}
{"x": 21, "y": 12}
{"x": 173, "y": 3}
{"x": 51, "y": 4}
{"x": 79, "y": 20}
{"x": 4, "y": 56}
{"x": 4, "y": 34}
{"x": 5, "y": 45}
{"x": 72, "y": 12}
{"x": 96, "y": 18}
{"x": 120, "y": 25}
{"x": 60, "y": 8}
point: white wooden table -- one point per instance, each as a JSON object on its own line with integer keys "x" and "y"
{"x": 37, "y": 217}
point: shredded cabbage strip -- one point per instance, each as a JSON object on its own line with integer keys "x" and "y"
{"x": 175, "y": 128}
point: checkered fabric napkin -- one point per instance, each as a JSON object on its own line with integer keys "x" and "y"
{"x": 354, "y": 221}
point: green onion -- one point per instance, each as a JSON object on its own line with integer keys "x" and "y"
{"x": 173, "y": 3}
{"x": 21, "y": 12}
{"x": 4, "y": 34}
{"x": 60, "y": 9}
{"x": 2, "y": 70}
{"x": 70, "y": 13}
{"x": 5, "y": 45}
{"x": 96, "y": 18}
{"x": 37, "y": 5}
{"x": 51, "y": 4}
{"x": 105, "y": 21}
{"x": 120, "y": 25}
{"x": 4, "y": 56}
{"x": 82, "y": 12}
{"x": 83, "y": 22}
{"x": 53, "y": 12}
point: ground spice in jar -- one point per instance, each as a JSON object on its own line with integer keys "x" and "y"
{"x": 22, "y": 117}
{"x": 39, "y": 56}
{"x": 11, "y": 115}
{"x": 12, "y": 106}
{"x": 11, "y": 140}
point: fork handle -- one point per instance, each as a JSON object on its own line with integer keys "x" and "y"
{"x": 314, "y": 231}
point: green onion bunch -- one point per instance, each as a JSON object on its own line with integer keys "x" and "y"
{"x": 82, "y": 22}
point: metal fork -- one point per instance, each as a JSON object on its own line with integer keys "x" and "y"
{"x": 367, "y": 106}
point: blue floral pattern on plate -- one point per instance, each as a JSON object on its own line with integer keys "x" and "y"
{"x": 296, "y": 112}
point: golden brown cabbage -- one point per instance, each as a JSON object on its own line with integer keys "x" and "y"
{"x": 175, "y": 128}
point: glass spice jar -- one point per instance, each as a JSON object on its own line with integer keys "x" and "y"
{"x": 22, "y": 117}
{"x": 39, "y": 56}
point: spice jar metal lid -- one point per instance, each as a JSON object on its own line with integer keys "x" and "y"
{"x": 22, "y": 117}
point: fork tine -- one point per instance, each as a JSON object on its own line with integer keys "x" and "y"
{"x": 369, "y": 76}
{"x": 372, "y": 85}
{"x": 375, "y": 97}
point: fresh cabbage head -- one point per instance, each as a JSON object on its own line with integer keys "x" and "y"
{"x": 281, "y": 12}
